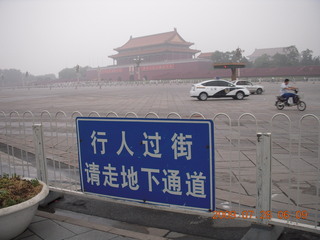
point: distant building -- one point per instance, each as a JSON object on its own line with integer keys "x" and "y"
{"x": 166, "y": 56}
{"x": 155, "y": 57}
{"x": 268, "y": 51}
{"x": 162, "y": 47}
{"x": 206, "y": 55}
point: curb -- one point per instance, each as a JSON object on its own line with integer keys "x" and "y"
{"x": 99, "y": 227}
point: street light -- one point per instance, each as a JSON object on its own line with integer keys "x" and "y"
{"x": 2, "y": 80}
{"x": 25, "y": 79}
{"x": 99, "y": 74}
{"x": 138, "y": 61}
{"x": 77, "y": 72}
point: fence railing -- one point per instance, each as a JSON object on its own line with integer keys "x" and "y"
{"x": 106, "y": 83}
{"x": 295, "y": 160}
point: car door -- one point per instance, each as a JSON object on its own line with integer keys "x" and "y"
{"x": 223, "y": 89}
{"x": 250, "y": 87}
{"x": 217, "y": 88}
{"x": 245, "y": 84}
{"x": 211, "y": 88}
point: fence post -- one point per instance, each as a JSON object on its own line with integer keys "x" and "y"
{"x": 41, "y": 162}
{"x": 263, "y": 177}
{"x": 262, "y": 230}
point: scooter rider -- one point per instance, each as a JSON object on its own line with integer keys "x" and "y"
{"x": 285, "y": 88}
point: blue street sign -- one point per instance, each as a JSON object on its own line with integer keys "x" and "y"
{"x": 158, "y": 161}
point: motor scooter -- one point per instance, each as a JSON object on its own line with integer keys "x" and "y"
{"x": 281, "y": 102}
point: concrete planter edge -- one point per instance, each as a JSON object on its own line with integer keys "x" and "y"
{"x": 15, "y": 219}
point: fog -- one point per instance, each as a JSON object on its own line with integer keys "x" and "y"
{"x": 46, "y": 36}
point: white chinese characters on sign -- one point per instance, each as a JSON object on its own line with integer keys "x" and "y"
{"x": 95, "y": 136}
{"x": 153, "y": 142}
{"x": 151, "y": 177}
{"x": 129, "y": 178}
{"x": 171, "y": 179}
{"x": 172, "y": 182}
{"x": 93, "y": 173}
{"x": 196, "y": 185}
{"x": 111, "y": 175}
{"x": 124, "y": 144}
{"x": 168, "y": 181}
{"x": 181, "y": 146}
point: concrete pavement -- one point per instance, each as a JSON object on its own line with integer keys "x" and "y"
{"x": 163, "y": 99}
{"x": 73, "y": 217}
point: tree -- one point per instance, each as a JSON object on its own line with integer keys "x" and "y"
{"x": 237, "y": 55}
{"x": 11, "y": 77}
{"x": 293, "y": 56}
{"x": 262, "y": 61}
{"x": 246, "y": 62}
{"x": 71, "y": 73}
{"x": 228, "y": 57}
{"x": 280, "y": 60}
{"x": 67, "y": 73}
{"x": 289, "y": 57}
{"x": 219, "y": 57}
{"x": 316, "y": 61}
{"x": 306, "y": 58}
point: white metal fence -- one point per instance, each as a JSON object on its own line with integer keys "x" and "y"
{"x": 106, "y": 83}
{"x": 295, "y": 161}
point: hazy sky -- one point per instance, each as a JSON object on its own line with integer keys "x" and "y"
{"x": 46, "y": 36}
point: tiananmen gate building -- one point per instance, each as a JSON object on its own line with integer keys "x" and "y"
{"x": 166, "y": 56}
{"x": 155, "y": 57}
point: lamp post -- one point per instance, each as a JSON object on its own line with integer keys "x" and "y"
{"x": 25, "y": 79}
{"x": 77, "y": 72}
{"x": 99, "y": 75}
{"x": 2, "y": 80}
{"x": 138, "y": 61}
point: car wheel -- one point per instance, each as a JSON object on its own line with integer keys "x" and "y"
{"x": 301, "y": 106}
{"x": 239, "y": 95}
{"x": 203, "y": 96}
{"x": 259, "y": 91}
{"x": 279, "y": 105}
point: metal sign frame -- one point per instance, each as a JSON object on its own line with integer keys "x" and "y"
{"x": 167, "y": 162}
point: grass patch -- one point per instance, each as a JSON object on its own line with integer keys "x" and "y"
{"x": 14, "y": 190}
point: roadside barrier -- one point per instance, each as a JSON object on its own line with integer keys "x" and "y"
{"x": 106, "y": 83}
{"x": 266, "y": 171}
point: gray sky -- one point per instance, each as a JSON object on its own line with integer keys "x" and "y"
{"x": 46, "y": 36}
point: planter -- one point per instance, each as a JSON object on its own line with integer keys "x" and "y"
{"x": 15, "y": 219}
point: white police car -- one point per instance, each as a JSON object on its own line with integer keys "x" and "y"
{"x": 218, "y": 89}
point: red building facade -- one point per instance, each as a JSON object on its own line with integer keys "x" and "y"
{"x": 166, "y": 56}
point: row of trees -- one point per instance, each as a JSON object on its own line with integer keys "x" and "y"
{"x": 74, "y": 73}
{"x": 14, "y": 77}
{"x": 289, "y": 57}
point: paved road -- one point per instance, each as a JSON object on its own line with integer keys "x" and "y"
{"x": 235, "y": 170}
{"x": 159, "y": 98}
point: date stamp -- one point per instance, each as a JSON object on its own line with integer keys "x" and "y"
{"x": 250, "y": 214}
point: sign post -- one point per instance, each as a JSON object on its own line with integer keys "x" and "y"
{"x": 167, "y": 162}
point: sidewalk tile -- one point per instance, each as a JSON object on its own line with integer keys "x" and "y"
{"x": 94, "y": 234}
{"x": 49, "y": 230}
{"x": 73, "y": 228}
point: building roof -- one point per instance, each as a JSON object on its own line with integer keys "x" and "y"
{"x": 206, "y": 55}
{"x": 152, "y": 51}
{"x": 268, "y": 51}
{"x": 172, "y": 37}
